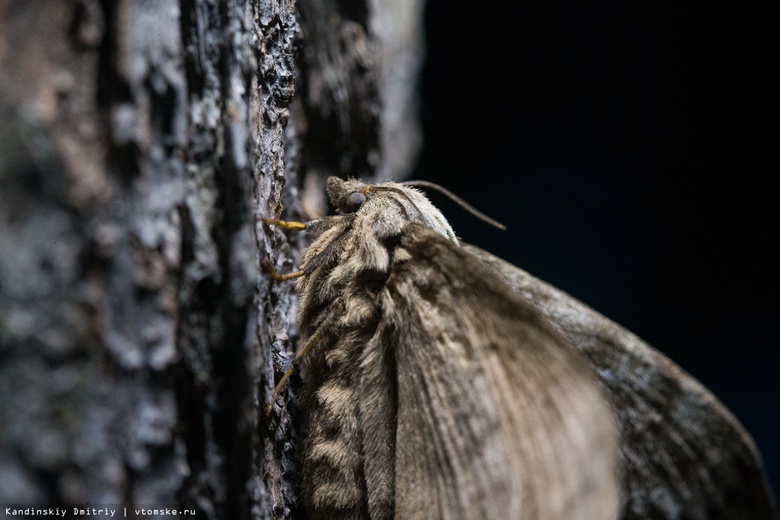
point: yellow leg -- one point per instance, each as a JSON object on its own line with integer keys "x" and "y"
{"x": 284, "y": 277}
{"x": 285, "y": 224}
{"x": 280, "y": 277}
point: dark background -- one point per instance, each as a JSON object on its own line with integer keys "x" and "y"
{"x": 632, "y": 150}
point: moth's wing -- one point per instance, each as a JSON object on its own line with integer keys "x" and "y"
{"x": 497, "y": 416}
{"x": 685, "y": 455}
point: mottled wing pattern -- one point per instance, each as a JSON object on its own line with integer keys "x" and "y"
{"x": 685, "y": 455}
{"x": 498, "y": 417}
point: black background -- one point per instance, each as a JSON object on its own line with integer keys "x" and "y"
{"x": 632, "y": 150}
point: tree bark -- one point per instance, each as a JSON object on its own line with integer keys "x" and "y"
{"x": 141, "y": 144}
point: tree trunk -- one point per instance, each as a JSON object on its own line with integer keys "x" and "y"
{"x": 141, "y": 144}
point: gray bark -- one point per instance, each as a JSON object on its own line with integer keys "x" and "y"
{"x": 141, "y": 143}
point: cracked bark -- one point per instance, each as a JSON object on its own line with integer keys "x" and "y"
{"x": 141, "y": 143}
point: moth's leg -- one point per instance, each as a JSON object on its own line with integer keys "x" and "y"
{"x": 328, "y": 322}
{"x": 293, "y": 226}
{"x": 278, "y": 276}
{"x": 290, "y": 371}
{"x": 285, "y": 224}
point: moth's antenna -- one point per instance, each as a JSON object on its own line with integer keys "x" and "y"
{"x": 457, "y": 200}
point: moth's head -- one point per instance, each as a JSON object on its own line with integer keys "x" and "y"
{"x": 389, "y": 205}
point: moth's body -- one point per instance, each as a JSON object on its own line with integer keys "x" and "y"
{"x": 436, "y": 386}
{"x": 348, "y": 367}
{"x": 431, "y": 391}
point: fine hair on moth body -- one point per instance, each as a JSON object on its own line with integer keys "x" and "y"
{"x": 432, "y": 389}
{"x": 443, "y": 382}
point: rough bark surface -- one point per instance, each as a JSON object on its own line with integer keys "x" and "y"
{"x": 141, "y": 143}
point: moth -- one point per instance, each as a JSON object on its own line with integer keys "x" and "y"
{"x": 442, "y": 382}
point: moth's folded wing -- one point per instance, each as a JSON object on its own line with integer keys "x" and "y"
{"x": 686, "y": 456}
{"x": 497, "y": 416}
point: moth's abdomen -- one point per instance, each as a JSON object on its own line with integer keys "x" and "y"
{"x": 333, "y": 480}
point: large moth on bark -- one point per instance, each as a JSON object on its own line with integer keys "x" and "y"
{"x": 442, "y": 382}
